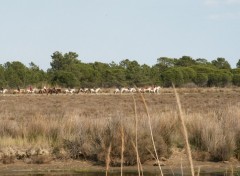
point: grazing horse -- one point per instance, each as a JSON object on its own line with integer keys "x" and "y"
{"x": 42, "y": 91}
{"x": 117, "y": 90}
{"x": 157, "y": 89}
{"x": 86, "y": 90}
{"x": 133, "y": 90}
{"x": 71, "y": 91}
{"x": 125, "y": 90}
{"x": 19, "y": 91}
{"x": 140, "y": 90}
{"x": 3, "y": 91}
{"x": 32, "y": 90}
{"x": 53, "y": 90}
{"x": 95, "y": 90}
{"x": 98, "y": 90}
{"x": 148, "y": 90}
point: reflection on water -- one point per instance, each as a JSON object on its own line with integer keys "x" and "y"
{"x": 112, "y": 174}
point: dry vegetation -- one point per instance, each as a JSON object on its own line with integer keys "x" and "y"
{"x": 84, "y": 126}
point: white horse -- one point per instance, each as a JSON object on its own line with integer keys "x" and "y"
{"x": 140, "y": 90}
{"x": 125, "y": 90}
{"x": 98, "y": 90}
{"x": 29, "y": 91}
{"x": 157, "y": 89}
{"x": 148, "y": 90}
{"x": 116, "y": 91}
{"x": 133, "y": 90}
{"x": 71, "y": 91}
{"x": 86, "y": 90}
{"x": 3, "y": 91}
{"x": 95, "y": 90}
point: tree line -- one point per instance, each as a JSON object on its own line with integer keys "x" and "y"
{"x": 68, "y": 71}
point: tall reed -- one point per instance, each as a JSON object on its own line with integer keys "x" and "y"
{"x": 122, "y": 148}
{"x": 136, "y": 136}
{"x": 151, "y": 133}
{"x": 184, "y": 131}
{"x": 108, "y": 159}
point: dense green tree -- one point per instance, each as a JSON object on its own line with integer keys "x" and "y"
{"x": 148, "y": 78}
{"x": 64, "y": 79}
{"x": 2, "y": 77}
{"x": 202, "y": 61}
{"x": 101, "y": 74}
{"x": 185, "y": 61}
{"x": 219, "y": 79}
{"x": 16, "y": 74}
{"x": 36, "y": 76}
{"x": 133, "y": 72}
{"x": 64, "y": 62}
{"x": 221, "y": 63}
{"x": 57, "y": 61}
{"x": 236, "y": 79}
{"x": 172, "y": 75}
{"x": 201, "y": 79}
{"x": 118, "y": 77}
{"x": 189, "y": 74}
{"x": 156, "y": 75}
{"x": 67, "y": 70}
{"x": 67, "y": 63}
{"x": 238, "y": 64}
{"x": 164, "y": 63}
{"x": 86, "y": 75}
{"x": 235, "y": 71}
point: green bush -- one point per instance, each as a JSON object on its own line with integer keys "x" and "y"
{"x": 236, "y": 80}
{"x": 173, "y": 75}
{"x": 65, "y": 79}
{"x": 201, "y": 79}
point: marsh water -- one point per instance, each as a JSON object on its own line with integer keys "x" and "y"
{"x": 112, "y": 174}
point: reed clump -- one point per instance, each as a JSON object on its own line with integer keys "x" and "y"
{"x": 216, "y": 133}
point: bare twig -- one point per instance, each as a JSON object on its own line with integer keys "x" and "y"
{"x": 136, "y": 135}
{"x": 108, "y": 159}
{"x": 140, "y": 169}
{"x": 151, "y": 133}
{"x": 184, "y": 131}
{"x": 122, "y": 150}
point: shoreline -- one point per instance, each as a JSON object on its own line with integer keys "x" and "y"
{"x": 79, "y": 166}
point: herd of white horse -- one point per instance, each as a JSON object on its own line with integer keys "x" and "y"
{"x": 150, "y": 89}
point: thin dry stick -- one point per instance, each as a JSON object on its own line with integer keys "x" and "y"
{"x": 198, "y": 173}
{"x": 140, "y": 169}
{"x": 150, "y": 153}
{"x": 232, "y": 170}
{"x": 108, "y": 159}
{"x": 150, "y": 126}
{"x": 181, "y": 167}
{"x": 136, "y": 134}
{"x": 172, "y": 171}
{"x": 122, "y": 151}
{"x": 184, "y": 131}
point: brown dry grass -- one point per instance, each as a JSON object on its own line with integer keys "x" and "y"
{"x": 85, "y": 125}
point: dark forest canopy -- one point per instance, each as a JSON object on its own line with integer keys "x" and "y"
{"x": 68, "y": 71}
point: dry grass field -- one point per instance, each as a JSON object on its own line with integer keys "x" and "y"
{"x": 39, "y": 128}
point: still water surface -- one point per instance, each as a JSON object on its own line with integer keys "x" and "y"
{"x": 111, "y": 174}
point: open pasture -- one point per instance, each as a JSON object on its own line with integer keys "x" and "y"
{"x": 193, "y": 100}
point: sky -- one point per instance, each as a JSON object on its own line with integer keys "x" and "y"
{"x": 114, "y": 30}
